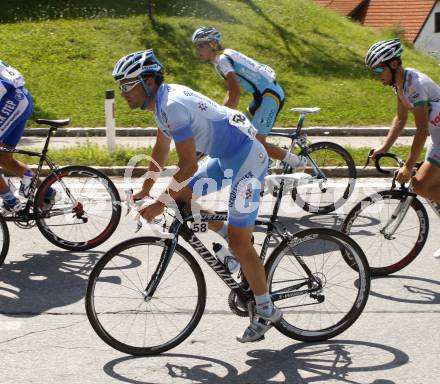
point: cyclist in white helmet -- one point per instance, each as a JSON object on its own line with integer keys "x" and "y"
{"x": 196, "y": 123}
{"x": 416, "y": 93}
{"x": 256, "y": 78}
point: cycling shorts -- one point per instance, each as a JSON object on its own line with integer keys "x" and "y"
{"x": 15, "y": 109}
{"x": 244, "y": 172}
{"x": 264, "y": 109}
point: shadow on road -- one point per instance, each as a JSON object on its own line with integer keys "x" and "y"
{"x": 40, "y": 282}
{"x": 340, "y": 361}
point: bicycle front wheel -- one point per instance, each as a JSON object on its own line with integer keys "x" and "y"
{"x": 83, "y": 213}
{"x": 122, "y": 314}
{"x": 388, "y": 246}
{"x": 309, "y": 279}
{"x": 320, "y": 195}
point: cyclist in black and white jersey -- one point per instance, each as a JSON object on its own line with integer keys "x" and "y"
{"x": 419, "y": 94}
{"x": 256, "y": 78}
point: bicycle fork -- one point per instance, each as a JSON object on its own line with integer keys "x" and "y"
{"x": 396, "y": 218}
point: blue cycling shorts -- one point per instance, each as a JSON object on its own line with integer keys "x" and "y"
{"x": 264, "y": 109}
{"x": 244, "y": 172}
{"x": 15, "y": 109}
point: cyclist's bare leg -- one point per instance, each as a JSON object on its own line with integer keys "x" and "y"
{"x": 9, "y": 164}
{"x": 280, "y": 154}
{"x": 426, "y": 181}
{"x": 272, "y": 150}
{"x": 241, "y": 244}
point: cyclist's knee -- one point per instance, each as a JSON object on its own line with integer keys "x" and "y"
{"x": 421, "y": 187}
{"x": 239, "y": 239}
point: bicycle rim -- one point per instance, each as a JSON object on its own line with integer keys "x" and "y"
{"x": 85, "y": 212}
{"x": 387, "y": 252}
{"x": 324, "y": 196}
{"x": 116, "y": 304}
{"x": 4, "y": 239}
{"x": 339, "y": 298}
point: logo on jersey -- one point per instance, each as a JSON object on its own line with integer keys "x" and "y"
{"x": 436, "y": 120}
{"x": 202, "y": 106}
{"x": 18, "y": 95}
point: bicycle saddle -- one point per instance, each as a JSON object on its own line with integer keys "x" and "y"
{"x": 54, "y": 123}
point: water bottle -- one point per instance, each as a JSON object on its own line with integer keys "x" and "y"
{"x": 225, "y": 256}
{"x": 25, "y": 183}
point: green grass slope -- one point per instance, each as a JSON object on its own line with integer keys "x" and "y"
{"x": 67, "y": 49}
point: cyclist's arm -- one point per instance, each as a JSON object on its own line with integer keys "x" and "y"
{"x": 187, "y": 166}
{"x": 422, "y": 124}
{"x": 159, "y": 156}
{"x": 396, "y": 129}
{"x": 233, "y": 95}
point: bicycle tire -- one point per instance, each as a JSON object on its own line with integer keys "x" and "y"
{"x": 98, "y": 200}
{"x": 344, "y": 166}
{"x": 310, "y": 322}
{"x": 111, "y": 284}
{"x": 5, "y": 239}
{"x": 378, "y": 249}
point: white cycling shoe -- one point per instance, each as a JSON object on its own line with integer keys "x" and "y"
{"x": 259, "y": 326}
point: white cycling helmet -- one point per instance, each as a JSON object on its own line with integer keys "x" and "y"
{"x": 206, "y": 34}
{"x": 137, "y": 64}
{"x": 383, "y": 51}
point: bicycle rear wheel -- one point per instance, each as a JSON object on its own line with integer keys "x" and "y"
{"x": 118, "y": 310}
{"x": 310, "y": 281}
{"x": 387, "y": 253}
{"x": 324, "y": 196}
{"x": 4, "y": 239}
{"x": 84, "y": 212}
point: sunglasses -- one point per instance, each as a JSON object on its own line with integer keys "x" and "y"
{"x": 200, "y": 45}
{"x": 127, "y": 87}
{"x": 378, "y": 70}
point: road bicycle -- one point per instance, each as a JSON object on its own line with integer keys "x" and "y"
{"x": 147, "y": 294}
{"x": 391, "y": 226}
{"x": 85, "y": 211}
{"x": 329, "y": 175}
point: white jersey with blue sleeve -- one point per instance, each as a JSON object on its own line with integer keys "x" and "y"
{"x": 218, "y": 131}
{"x": 252, "y": 75}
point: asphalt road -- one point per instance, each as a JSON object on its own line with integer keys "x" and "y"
{"x": 45, "y": 336}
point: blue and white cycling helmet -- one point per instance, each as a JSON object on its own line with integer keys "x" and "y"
{"x": 383, "y": 52}
{"x": 137, "y": 64}
{"x": 206, "y": 34}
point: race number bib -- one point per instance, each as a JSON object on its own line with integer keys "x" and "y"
{"x": 240, "y": 121}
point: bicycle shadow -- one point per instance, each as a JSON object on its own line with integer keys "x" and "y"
{"x": 407, "y": 289}
{"x": 338, "y": 361}
{"x": 43, "y": 281}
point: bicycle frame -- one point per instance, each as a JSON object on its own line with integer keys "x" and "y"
{"x": 400, "y": 211}
{"x": 180, "y": 228}
{"x": 300, "y": 140}
{"x": 43, "y": 158}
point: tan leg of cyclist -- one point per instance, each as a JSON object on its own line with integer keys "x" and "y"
{"x": 426, "y": 182}
{"x": 278, "y": 153}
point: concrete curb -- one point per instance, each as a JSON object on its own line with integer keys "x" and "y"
{"x": 137, "y": 132}
{"x": 119, "y": 171}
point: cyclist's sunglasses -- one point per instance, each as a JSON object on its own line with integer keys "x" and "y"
{"x": 378, "y": 70}
{"x": 127, "y": 87}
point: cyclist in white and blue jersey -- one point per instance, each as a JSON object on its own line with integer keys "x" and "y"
{"x": 419, "y": 94}
{"x": 196, "y": 123}
{"x": 256, "y": 78}
{"x": 15, "y": 109}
